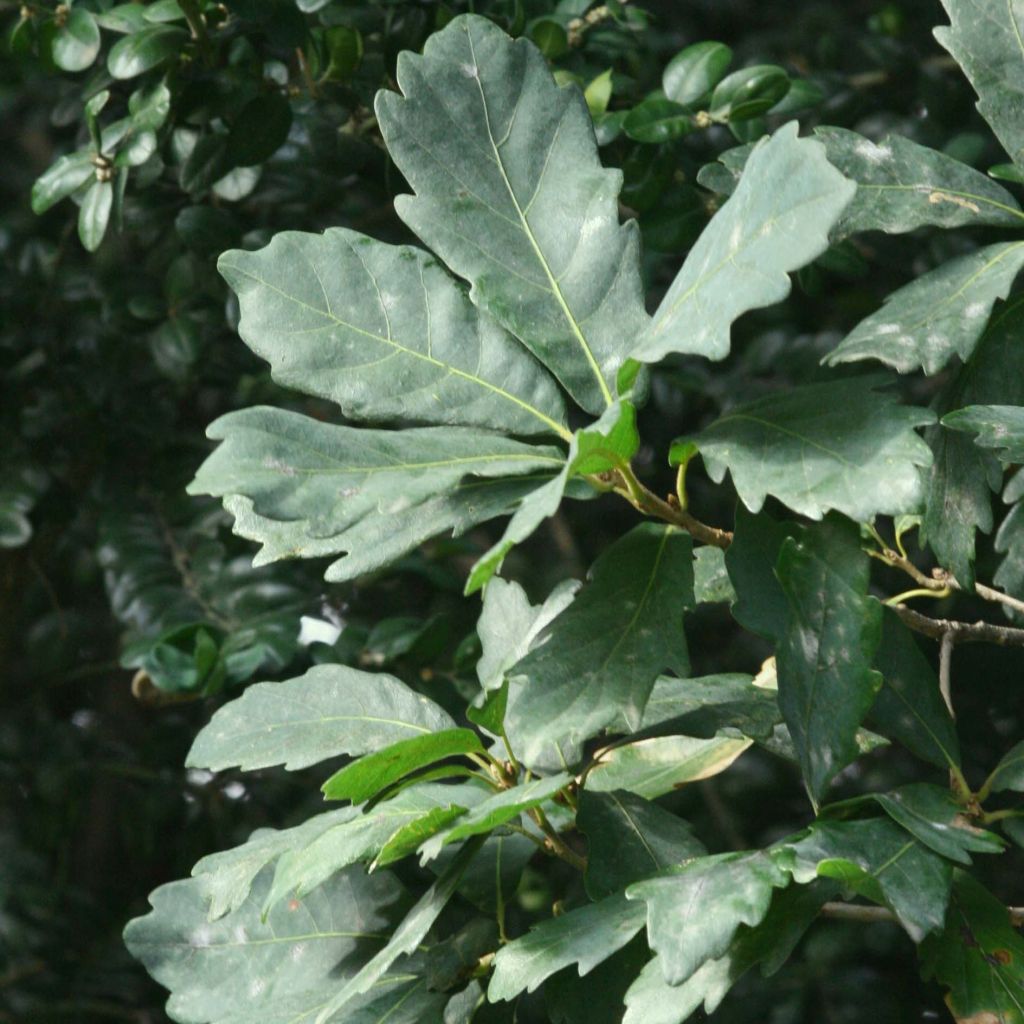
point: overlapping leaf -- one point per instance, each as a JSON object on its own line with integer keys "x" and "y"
{"x": 509, "y": 192}
{"x": 293, "y": 961}
{"x": 826, "y": 684}
{"x": 777, "y": 221}
{"x": 938, "y": 315}
{"x": 330, "y": 710}
{"x": 840, "y": 445}
{"x": 387, "y": 334}
{"x": 586, "y": 937}
{"x": 599, "y": 659}
{"x": 987, "y": 41}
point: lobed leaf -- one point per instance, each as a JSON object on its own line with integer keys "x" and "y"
{"x": 777, "y": 221}
{"x": 510, "y": 193}
{"x": 330, "y": 710}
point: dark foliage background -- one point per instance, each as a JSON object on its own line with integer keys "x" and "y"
{"x": 128, "y": 607}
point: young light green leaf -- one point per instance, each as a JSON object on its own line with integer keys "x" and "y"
{"x": 386, "y": 333}
{"x": 777, "y": 221}
{"x": 363, "y": 836}
{"x": 407, "y": 936}
{"x": 826, "y": 685}
{"x": 242, "y": 965}
{"x": 999, "y": 427}
{"x": 693, "y": 913}
{"x": 510, "y": 193}
{"x": 373, "y": 772}
{"x": 228, "y": 876}
{"x": 496, "y": 810}
{"x": 654, "y": 767}
{"x": 938, "y": 315}
{"x": 628, "y": 839}
{"x": 840, "y": 445}
{"x": 978, "y": 957}
{"x": 585, "y": 936}
{"x": 330, "y": 710}
{"x": 931, "y": 815}
{"x": 902, "y": 186}
{"x": 598, "y": 660}
{"x": 909, "y": 707}
{"x": 880, "y": 861}
{"x": 987, "y": 41}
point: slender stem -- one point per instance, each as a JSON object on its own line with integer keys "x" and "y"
{"x": 963, "y": 632}
{"x": 917, "y": 592}
{"x": 555, "y": 843}
{"x": 859, "y": 912}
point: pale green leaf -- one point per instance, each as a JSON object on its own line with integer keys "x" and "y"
{"x": 362, "y": 836}
{"x": 63, "y": 177}
{"x": 986, "y": 37}
{"x": 386, "y": 333}
{"x": 407, "y": 937}
{"x": 902, "y": 186}
{"x": 228, "y": 876}
{"x": 598, "y": 660}
{"x": 328, "y": 477}
{"x": 711, "y": 583}
{"x": 651, "y": 768}
{"x": 940, "y": 314}
{"x": 826, "y": 684}
{"x": 694, "y": 912}
{"x": 330, "y": 710}
{"x": 777, "y": 221}
{"x": 241, "y": 967}
{"x": 840, "y": 445}
{"x": 510, "y": 193}
{"x": 585, "y": 936}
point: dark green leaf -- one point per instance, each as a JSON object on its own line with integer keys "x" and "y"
{"x": 628, "y": 839}
{"x": 939, "y": 315}
{"x": 706, "y": 706}
{"x": 692, "y": 73}
{"x": 909, "y": 707}
{"x": 598, "y": 660}
{"x": 979, "y": 958}
{"x": 61, "y": 179}
{"x": 1009, "y": 773}
{"x": 657, "y": 120}
{"x": 826, "y": 685}
{"x": 749, "y": 92}
{"x": 145, "y": 49}
{"x": 208, "y": 161}
{"x": 841, "y": 445}
{"x": 878, "y": 860}
{"x": 259, "y": 130}
{"x": 1000, "y": 427}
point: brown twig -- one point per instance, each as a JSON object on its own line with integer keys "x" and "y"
{"x": 945, "y": 670}
{"x": 859, "y": 912}
{"x": 963, "y": 632}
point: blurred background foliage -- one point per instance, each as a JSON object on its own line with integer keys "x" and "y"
{"x": 139, "y": 140}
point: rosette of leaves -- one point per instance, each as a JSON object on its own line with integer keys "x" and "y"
{"x": 586, "y": 711}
